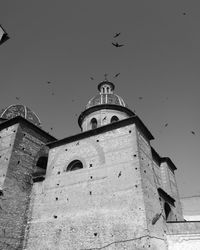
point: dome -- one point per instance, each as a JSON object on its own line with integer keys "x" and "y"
{"x": 104, "y": 108}
{"x": 106, "y": 99}
{"x": 20, "y": 110}
{"x": 106, "y": 96}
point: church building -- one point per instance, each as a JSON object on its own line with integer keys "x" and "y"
{"x": 104, "y": 188}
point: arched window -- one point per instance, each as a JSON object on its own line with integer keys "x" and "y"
{"x": 40, "y": 169}
{"x": 74, "y": 165}
{"x": 114, "y": 119}
{"x": 167, "y": 210}
{"x": 107, "y": 89}
{"x": 93, "y": 123}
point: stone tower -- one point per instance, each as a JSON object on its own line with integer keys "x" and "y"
{"x": 22, "y": 144}
{"x": 105, "y": 188}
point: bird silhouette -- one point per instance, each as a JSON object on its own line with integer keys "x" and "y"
{"x": 192, "y": 132}
{"x": 52, "y": 93}
{"x": 184, "y": 13}
{"x": 91, "y": 78}
{"x": 120, "y": 173}
{"x": 117, "y": 45}
{"x": 4, "y": 36}
{"x": 117, "y": 75}
{"x": 166, "y": 124}
{"x": 140, "y": 98}
{"x": 156, "y": 218}
{"x": 17, "y": 98}
{"x": 117, "y": 34}
{"x": 48, "y": 82}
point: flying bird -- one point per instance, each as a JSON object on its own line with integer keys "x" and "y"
{"x": 117, "y": 45}
{"x": 117, "y": 75}
{"x": 166, "y": 124}
{"x": 117, "y": 34}
{"x": 17, "y": 98}
{"x": 140, "y": 98}
{"x": 120, "y": 173}
{"x": 192, "y": 132}
{"x": 91, "y": 78}
{"x": 184, "y": 13}
{"x": 156, "y": 218}
{"x": 3, "y": 35}
{"x": 48, "y": 82}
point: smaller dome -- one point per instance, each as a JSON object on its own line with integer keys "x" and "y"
{"x": 20, "y": 110}
{"x": 106, "y": 96}
{"x": 106, "y": 82}
{"x": 106, "y": 99}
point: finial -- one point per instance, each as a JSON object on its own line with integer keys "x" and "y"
{"x": 105, "y": 75}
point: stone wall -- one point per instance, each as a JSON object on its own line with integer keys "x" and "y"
{"x": 103, "y": 117}
{"x": 98, "y": 207}
{"x": 183, "y": 236}
{"x": 19, "y": 146}
{"x": 153, "y": 207}
{"x": 170, "y": 186}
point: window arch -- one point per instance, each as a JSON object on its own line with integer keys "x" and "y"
{"x": 93, "y": 123}
{"x": 114, "y": 119}
{"x": 74, "y": 165}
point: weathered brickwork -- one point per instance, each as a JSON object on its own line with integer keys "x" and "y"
{"x": 165, "y": 177}
{"x": 153, "y": 207}
{"x": 105, "y": 188}
{"x": 103, "y": 117}
{"x": 20, "y": 146}
{"x": 157, "y": 175}
{"x": 7, "y": 138}
{"x": 170, "y": 186}
{"x": 96, "y": 206}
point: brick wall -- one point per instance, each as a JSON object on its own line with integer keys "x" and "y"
{"x": 99, "y": 206}
{"x": 19, "y": 147}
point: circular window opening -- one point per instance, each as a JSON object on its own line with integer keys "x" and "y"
{"x": 74, "y": 165}
{"x": 114, "y": 119}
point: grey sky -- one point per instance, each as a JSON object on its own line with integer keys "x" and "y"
{"x": 67, "y": 42}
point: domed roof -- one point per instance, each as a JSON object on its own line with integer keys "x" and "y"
{"x": 105, "y": 99}
{"x": 106, "y": 96}
{"x": 20, "y": 110}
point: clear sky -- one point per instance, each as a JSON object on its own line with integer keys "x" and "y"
{"x": 67, "y": 42}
